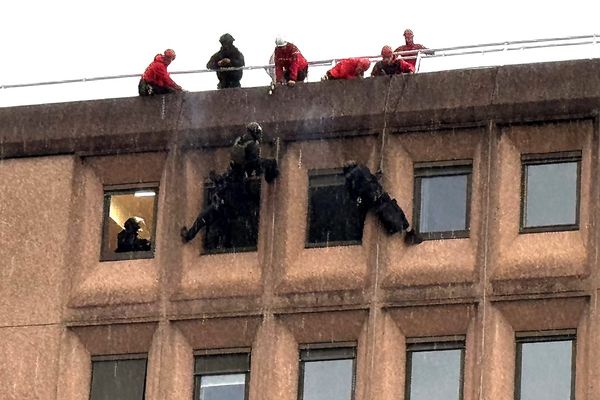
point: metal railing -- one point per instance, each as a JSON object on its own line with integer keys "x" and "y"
{"x": 481, "y": 49}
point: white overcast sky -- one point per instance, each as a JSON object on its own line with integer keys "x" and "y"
{"x": 46, "y": 40}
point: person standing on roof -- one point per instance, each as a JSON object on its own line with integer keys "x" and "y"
{"x": 290, "y": 65}
{"x": 390, "y": 64}
{"x": 350, "y": 68}
{"x": 227, "y": 57}
{"x": 411, "y": 45}
{"x": 156, "y": 79}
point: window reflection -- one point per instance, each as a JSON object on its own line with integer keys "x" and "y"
{"x": 435, "y": 371}
{"x": 118, "y": 379}
{"x": 545, "y": 368}
{"x": 550, "y": 194}
{"x": 327, "y": 374}
{"x": 222, "y": 376}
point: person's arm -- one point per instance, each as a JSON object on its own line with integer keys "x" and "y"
{"x": 213, "y": 62}
{"x": 237, "y": 60}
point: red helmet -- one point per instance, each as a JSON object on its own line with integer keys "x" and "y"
{"x": 386, "y": 52}
{"x": 170, "y": 53}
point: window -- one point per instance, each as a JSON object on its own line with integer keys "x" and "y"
{"x": 442, "y": 199}
{"x": 237, "y": 230}
{"x": 129, "y": 222}
{"x": 333, "y": 218}
{"x": 327, "y": 373}
{"x": 222, "y": 376}
{"x": 121, "y": 377}
{"x": 435, "y": 369}
{"x": 545, "y": 367}
{"x": 550, "y": 192}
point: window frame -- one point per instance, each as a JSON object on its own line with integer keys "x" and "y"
{"x": 345, "y": 351}
{"x": 433, "y": 169}
{"x": 441, "y": 343}
{"x": 224, "y": 352}
{"x": 208, "y": 185}
{"x": 541, "y": 337}
{"x": 326, "y": 173}
{"x": 107, "y": 254}
{"x": 561, "y": 157}
{"x": 119, "y": 357}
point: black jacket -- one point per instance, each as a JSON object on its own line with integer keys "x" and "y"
{"x": 237, "y": 60}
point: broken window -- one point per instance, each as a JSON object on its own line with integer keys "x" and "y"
{"x": 221, "y": 376}
{"x": 129, "y": 222}
{"x": 435, "y": 369}
{"x": 327, "y": 373}
{"x": 550, "y": 192}
{"x": 334, "y": 219}
{"x": 120, "y": 377}
{"x": 442, "y": 199}
{"x": 545, "y": 366}
{"x": 237, "y": 229}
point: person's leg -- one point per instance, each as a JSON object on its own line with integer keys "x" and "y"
{"x": 302, "y": 75}
{"x": 206, "y": 217}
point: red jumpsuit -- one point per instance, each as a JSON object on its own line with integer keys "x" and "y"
{"x": 347, "y": 68}
{"x": 289, "y": 63}
{"x": 156, "y": 74}
{"x": 407, "y": 47}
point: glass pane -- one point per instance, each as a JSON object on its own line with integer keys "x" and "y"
{"x": 546, "y": 370}
{"x": 551, "y": 194}
{"x": 130, "y": 221}
{"x": 435, "y": 375}
{"x": 443, "y": 203}
{"x": 223, "y": 387}
{"x": 333, "y": 216}
{"x": 118, "y": 380}
{"x": 328, "y": 380}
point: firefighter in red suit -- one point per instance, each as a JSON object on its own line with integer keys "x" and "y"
{"x": 156, "y": 79}
{"x": 390, "y": 64}
{"x": 411, "y": 45}
{"x": 290, "y": 65}
{"x": 350, "y": 68}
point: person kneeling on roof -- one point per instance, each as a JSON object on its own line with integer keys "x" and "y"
{"x": 156, "y": 79}
{"x": 350, "y": 68}
{"x": 390, "y": 64}
{"x": 365, "y": 189}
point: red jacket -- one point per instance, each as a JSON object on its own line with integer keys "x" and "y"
{"x": 346, "y": 69}
{"x": 407, "y": 47}
{"x": 288, "y": 58}
{"x": 156, "y": 74}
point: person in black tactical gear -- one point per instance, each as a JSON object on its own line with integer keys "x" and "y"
{"x": 227, "y": 57}
{"x": 365, "y": 189}
{"x": 245, "y": 156}
{"x": 232, "y": 189}
{"x": 128, "y": 240}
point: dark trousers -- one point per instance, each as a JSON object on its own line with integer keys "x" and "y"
{"x": 390, "y": 214}
{"x": 209, "y": 215}
{"x": 148, "y": 89}
{"x": 302, "y": 74}
{"x": 228, "y": 83}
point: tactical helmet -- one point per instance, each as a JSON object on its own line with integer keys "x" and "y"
{"x": 226, "y": 38}
{"x": 254, "y": 129}
{"x": 170, "y": 53}
{"x": 133, "y": 224}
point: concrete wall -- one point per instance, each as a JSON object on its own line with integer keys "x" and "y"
{"x": 60, "y": 306}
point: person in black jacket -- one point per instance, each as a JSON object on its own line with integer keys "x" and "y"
{"x": 128, "y": 240}
{"x": 227, "y": 57}
{"x": 365, "y": 189}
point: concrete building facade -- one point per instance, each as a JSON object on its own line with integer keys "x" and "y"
{"x": 488, "y": 293}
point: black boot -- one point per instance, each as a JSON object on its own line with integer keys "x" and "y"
{"x": 411, "y": 237}
{"x": 184, "y": 235}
